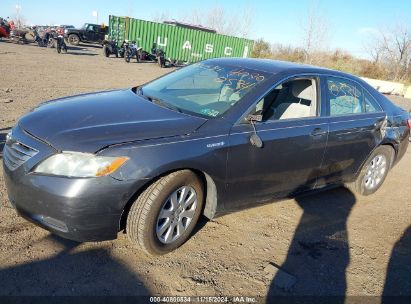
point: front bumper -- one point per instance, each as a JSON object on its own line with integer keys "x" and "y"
{"x": 80, "y": 209}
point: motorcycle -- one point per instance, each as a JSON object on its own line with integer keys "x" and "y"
{"x": 160, "y": 56}
{"x": 131, "y": 51}
{"x": 50, "y": 37}
{"x": 146, "y": 56}
{"x": 60, "y": 44}
{"x": 41, "y": 41}
{"x": 110, "y": 47}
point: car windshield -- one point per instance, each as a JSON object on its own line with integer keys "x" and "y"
{"x": 85, "y": 26}
{"x": 203, "y": 89}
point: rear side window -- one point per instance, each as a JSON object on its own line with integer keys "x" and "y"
{"x": 346, "y": 97}
{"x": 370, "y": 105}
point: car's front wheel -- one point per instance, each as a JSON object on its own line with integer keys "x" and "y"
{"x": 374, "y": 171}
{"x": 165, "y": 214}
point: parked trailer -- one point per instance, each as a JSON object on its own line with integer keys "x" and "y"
{"x": 179, "y": 43}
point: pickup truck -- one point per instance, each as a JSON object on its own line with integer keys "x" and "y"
{"x": 91, "y": 33}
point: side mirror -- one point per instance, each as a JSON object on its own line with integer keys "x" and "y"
{"x": 254, "y": 117}
{"x": 255, "y": 140}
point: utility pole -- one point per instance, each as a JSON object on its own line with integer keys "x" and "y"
{"x": 18, "y": 10}
{"x": 95, "y": 14}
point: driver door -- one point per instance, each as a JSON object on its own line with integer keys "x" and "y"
{"x": 294, "y": 137}
{"x": 91, "y": 33}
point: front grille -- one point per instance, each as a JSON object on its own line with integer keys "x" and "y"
{"x": 16, "y": 153}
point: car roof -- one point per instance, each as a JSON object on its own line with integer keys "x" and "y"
{"x": 277, "y": 66}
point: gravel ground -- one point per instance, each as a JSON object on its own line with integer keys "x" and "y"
{"x": 330, "y": 243}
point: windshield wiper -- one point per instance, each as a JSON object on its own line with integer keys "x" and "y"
{"x": 139, "y": 91}
{"x": 163, "y": 104}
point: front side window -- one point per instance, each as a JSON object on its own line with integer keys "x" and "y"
{"x": 346, "y": 97}
{"x": 204, "y": 89}
{"x": 292, "y": 99}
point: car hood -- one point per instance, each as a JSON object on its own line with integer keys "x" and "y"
{"x": 90, "y": 122}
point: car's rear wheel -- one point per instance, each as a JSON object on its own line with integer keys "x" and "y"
{"x": 74, "y": 39}
{"x": 374, "y": 171}
{"x": 165, "y": 214}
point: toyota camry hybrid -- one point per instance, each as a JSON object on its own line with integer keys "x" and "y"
{"x": 207, "y": 139}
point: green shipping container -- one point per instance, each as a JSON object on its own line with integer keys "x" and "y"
{"x": 179, "y": 43}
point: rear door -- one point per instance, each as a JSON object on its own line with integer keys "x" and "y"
{"x": 356, "y": 126}
{"x": 294, "y": 137}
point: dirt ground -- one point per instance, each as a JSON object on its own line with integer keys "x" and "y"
{"x": 330, "y": 243}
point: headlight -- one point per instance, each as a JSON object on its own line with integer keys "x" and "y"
{"x": 75, "y": 164}
{"x": 65, "y": 31}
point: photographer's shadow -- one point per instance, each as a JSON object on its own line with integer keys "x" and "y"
{"x": 92, "y": 272}
{"x": 319, "y": 251}
{"x": 398, "y": 278}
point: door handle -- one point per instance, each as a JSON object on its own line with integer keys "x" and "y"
{"x": 318, "y": 132}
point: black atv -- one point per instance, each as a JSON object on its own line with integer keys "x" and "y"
{"x": 160, "y": 57}
{"x": 110, "y": 47}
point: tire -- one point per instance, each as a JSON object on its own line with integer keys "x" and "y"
{"x": 106, "y": 51}
{"x": 160, "y": 62}
{"x": 373, "y": 172}
{"x": 127, "y": 58}
{"x": 29, "y": 37}
{"x": 74, "y": 39}
{"x": 144, "y": 218}
{"x": 50, "y": 43}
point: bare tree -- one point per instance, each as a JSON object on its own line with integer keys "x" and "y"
{"x": 216, "y": 19}
{"x": 161, "y": 16}
{"x": 247, "y": 21}
{"x": 374, "y": 48}
{"x": 195, "y": 16}
{"x": 392, "y": 48}
{"x": 314, "y": 34}
{"x": 19, "y": 19}
{"x": 235, "y": 23}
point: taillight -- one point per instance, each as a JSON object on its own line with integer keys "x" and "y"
{"x": 409, "y": 123}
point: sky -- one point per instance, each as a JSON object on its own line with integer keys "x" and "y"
{"x": 349, "y": 22}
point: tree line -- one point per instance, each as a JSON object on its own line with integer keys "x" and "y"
{"x": 388, "y": 50}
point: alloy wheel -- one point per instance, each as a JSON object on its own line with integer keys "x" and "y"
{"x": 375, "y": 172}
{"x": 176, "y": 214}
